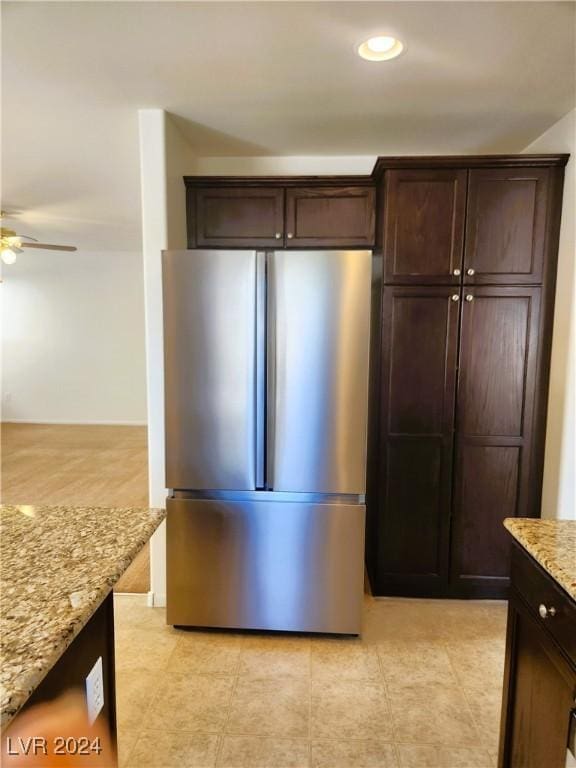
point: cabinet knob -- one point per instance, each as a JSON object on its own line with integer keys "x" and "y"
{"x": 278, "y": 235}
{"x": 289, "y": 235}
{"x": 545, "y": 612}
{"x": 455, "y": 297}
{"x": 470, "y": 271}
{"x": 469, "y": 297}
{"x": 456, "y": 272}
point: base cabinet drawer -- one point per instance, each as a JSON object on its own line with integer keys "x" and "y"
{"x": 550, "y": 605}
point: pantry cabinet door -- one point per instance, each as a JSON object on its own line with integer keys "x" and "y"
{"x": 424, "y": 226}
{"x": 419, "y": 343}
{"x": 495, "y": 404}
{"x": 506, "y": 226}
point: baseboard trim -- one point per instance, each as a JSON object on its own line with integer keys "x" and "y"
{"x": 77, "y": 423}
{"x": 156, "y": 599}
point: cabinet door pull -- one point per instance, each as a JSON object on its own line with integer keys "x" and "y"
{"x": 278, "y": 235}
{"x": 469, "y": 297}
{"x": 456, "y": 272}
{"x": 545, "y": 612}
{"x": 455, "y": 297}
{"x": 289, "y": 235}
{"x": 470, "y": 271}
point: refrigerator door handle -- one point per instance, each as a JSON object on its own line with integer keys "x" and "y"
{"x": 260, "y": 362}
{"x": 270, "y": 369}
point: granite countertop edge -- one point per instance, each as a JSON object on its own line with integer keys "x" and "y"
{"x": 552, "y": 543}
{"x": 14, "y": 698}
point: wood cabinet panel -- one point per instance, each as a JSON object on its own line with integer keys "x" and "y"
{"x": 424, "y": 225}
{"x": 238, "y": 218}
{"x": 495, "y": 405}
{"x": 417, "y": 352}
{"x": 485, "y": 494}
{"x": 506, "y": 226}
{"x": 330, "y": 217}
{"x": 497, "y": 356}
{"x": 539, "y": 674}
{"x": 419, "y": 342}
{"x": 413, "y": 502}
{"x": 544, "y": 697}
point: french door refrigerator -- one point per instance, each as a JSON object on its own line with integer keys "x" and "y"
{"x": 266, "y": 387}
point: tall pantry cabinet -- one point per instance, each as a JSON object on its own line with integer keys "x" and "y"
{"x": 461, "y": 342}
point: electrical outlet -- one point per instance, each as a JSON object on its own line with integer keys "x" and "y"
{"x": 95, "y": 691}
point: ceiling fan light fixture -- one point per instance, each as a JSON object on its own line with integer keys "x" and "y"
{"x": 8, "y": 256}
{"x": 380, "y": 48}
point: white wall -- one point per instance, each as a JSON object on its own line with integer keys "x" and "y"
{"x": 280, "y": 166}
{"x": 559, "y": 491}
{"x": 73, "y": 339}
{"x": 163, "y": 155}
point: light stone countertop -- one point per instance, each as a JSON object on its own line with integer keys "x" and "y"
{"x": 552, "y": 543}
{"x": 58, "y": 564}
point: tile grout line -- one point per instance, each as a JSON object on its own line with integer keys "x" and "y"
{"x": 235, "y": 684}
{"x": 463, "y": 690}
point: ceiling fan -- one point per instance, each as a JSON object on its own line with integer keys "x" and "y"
{"x": 11, "y": 244}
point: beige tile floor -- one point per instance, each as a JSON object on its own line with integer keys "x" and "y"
{"x": 420, "y": 689}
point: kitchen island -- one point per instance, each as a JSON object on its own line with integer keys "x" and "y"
{"x": 538, "y": 727}
{"x": 58, "y": 567}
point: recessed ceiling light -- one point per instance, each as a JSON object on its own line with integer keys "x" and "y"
{"x": 380, "y": 48}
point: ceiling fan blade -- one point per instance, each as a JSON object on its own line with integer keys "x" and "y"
{"x": 47, "y": 247}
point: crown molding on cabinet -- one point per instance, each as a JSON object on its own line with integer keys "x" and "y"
{"x": 469, "y": 161}
{"x": 277, "y": 181}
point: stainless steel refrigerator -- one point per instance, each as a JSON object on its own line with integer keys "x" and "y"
{"x": 266, "y": 386}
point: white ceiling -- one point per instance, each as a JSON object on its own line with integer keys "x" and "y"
{"x": 259, "y": 79}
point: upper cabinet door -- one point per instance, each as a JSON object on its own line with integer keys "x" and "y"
{"x": 335, "y": 216}
{"x": 246, "y": 217}
{"x": 506, "y": 226}
{"x": 424, "y": 226}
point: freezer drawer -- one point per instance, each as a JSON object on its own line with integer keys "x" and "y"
{"x": 265, "y": 565}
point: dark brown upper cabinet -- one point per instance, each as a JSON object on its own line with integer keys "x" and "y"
{"x": 246, "y": 217}
{"x": 424, "y": 226}
{"x": 506, "y": 226}
{"x": 495, "y": 405}
{"x": 419, "y": 346}
{"x": 340, "y": 217}
{"x": 232, "y": 213}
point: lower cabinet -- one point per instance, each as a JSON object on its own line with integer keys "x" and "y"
{"x": 457, "y": 393}
{"x": 540, "y": 673}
